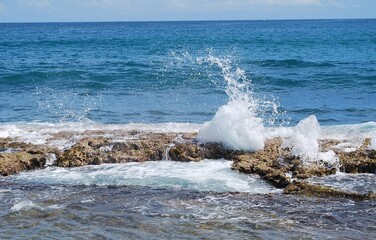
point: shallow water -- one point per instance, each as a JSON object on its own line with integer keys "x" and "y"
{"x": 360, "y": 183}
{"x": 208, "y": 175}
{"x": 108, "y": 212}
{"x": 174, "y": 200}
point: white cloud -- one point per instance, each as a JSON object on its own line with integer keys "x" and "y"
{"x": 104, "y": 3}
{"x": 36, "y": 3}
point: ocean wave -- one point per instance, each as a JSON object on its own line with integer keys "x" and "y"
{"x": 291, "y": 63}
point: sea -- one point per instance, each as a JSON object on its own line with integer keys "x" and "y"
{"x": 234, "y": 82}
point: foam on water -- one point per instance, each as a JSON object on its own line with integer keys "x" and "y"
{"x": 372, "y": 146}
{"x": 22, "y": 204}
{"x": 208, "y": 175}
{"x": 359, "y": 183}
{"x": 303, "y": 141}
{"x": 41, "y": 133}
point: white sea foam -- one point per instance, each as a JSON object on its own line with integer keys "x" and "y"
{"x": 22, "y": 204}
{"x": 235, "y": 127}
{"x": 41, "y": 133}
{"x": 208, "y": 175}
{"x": 361, "y": 130}
{"x": 372, "y": 146}
{"x": 303, "y": 142}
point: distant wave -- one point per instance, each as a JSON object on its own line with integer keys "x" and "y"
{"x": 285, "y": 63}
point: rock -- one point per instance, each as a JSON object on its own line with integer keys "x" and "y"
{"x": 186, "y": 152}
{"x": 303, "y": 171}
{"x": 274, "y": 163}
{"x": 264, "y": 163}
{"x": 12, "y": 163}
{"x": 359, "y": 161}
{"x": 217, "y": 151}
{"x": 93, "y": 151}
{"x": 309, "y": 189}
{"x": 85, "y": 152}
{"x": 19, "y": 156}
{"x": 362, "y": 160}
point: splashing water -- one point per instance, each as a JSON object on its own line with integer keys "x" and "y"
{"x": 239, "y": 124}
{"x": 372, "y": 145}
{"x": 303, "y": 143}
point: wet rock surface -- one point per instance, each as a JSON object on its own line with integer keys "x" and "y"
{"x": 274, "y": 163}
{"x": 18, "y": 156}
{"x": 309, "y": 189}
{"x": 94, "y": 151}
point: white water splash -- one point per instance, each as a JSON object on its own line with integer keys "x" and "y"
{"x": 304, "y": 143}
{"x": 372, "y": 145}
{"x": 22, "y": 204}
{"x": 237, "y": 124}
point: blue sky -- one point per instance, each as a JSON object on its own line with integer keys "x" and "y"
{"x": 161, "y": 10}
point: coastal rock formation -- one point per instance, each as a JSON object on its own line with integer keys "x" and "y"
{"x": 98, "y": 150}
{"x": 273, "y": 163}
{"x": 19, "y": 156}
{"x": 265, "y": 163}
{"x": 277, "y": 165}
{"x": 12, "y": 163}
{"x": 309, "y": 189}
{"x": 193, "y": 151}
{"x": 359, "y": 161}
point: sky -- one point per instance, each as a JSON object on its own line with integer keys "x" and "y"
{"x": 170, "y": 10}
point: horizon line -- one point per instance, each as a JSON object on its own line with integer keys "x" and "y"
{"x": 205, "y": 20}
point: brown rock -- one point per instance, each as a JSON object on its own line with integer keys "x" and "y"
{"x": 303, "y": 171}
{"x": 12, "y": 163}
{"x": 309, "y": 189}
{"x": 92, "y": 151}
{"x": 359, "y": 161}
{"x": 265, "y": 163}
{"x": 186, "y": 152}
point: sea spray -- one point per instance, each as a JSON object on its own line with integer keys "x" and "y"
{"x": 372, "y": 146}
{"x": 236, "y": 125}
{"x": 303, "y": 142}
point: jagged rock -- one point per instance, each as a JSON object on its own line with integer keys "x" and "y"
{"x": 303, "y": 171}
{"x": 217, "y": 151}
{"x": 250, "y": 164}
{"x": 309, "y": 189}
{"x": 18, "y": 156}
{"x": 85, "y": 152}
{"x": 93, "y": 151}
{"x": 273, "y": 163}
{"x": 186, "y": 152}
{"x": 14, "y": 162}
{"x": 264, "y": 163}
{"x": 359, "y": 161}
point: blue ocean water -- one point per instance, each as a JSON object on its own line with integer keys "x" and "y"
{"x": 148, "y": 72}
{"x": 60, "y": 82}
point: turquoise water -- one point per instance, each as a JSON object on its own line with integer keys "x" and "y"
{"x": 147, "y": 72}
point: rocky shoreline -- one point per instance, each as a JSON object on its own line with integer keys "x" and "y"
{"x": 275, "y": 163}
